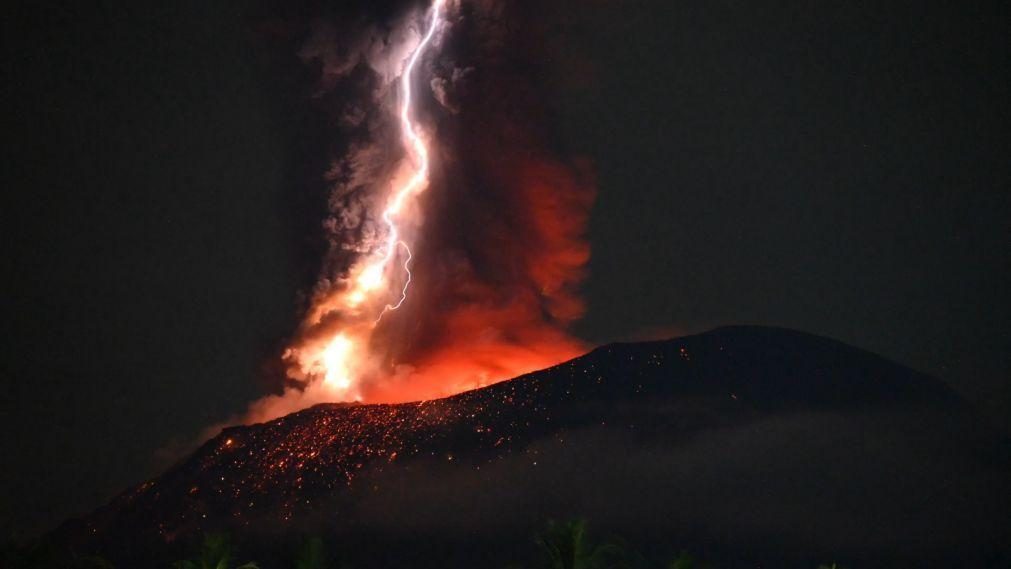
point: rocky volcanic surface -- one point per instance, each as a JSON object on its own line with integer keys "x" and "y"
{"x": 740, "y": 441}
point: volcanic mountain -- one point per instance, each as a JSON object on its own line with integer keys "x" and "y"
{"x": 744, "y": 444}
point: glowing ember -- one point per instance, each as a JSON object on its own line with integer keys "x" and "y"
{"x": 287, "y": 467}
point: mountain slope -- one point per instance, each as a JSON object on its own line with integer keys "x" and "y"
{"x": 745, "y": 442}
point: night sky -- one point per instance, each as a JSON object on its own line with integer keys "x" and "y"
{"x": 839, "y": 168}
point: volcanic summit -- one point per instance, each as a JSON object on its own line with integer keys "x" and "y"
{"x": 728, "y": 442}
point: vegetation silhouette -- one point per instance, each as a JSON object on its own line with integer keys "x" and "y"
{"x": 216, "y": 553}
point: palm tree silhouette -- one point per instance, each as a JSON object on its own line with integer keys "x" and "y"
{"x": 312, "y": 555}
{"x": 567, "y": 545}
{"x": 216, "y": 553}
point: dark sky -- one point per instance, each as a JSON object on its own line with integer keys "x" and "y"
{"x": 838, "y": 168}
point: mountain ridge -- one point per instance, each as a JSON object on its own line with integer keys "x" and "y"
{"x": 347, "y": 461}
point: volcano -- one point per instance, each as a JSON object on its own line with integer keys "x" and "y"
{"x": 743, "y": 443}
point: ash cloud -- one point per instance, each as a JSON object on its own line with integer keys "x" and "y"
{"x": 357, "y": 58}
{"x": 499, "y": 241}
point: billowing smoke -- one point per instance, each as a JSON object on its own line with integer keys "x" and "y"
{"x": 496, "y": 237}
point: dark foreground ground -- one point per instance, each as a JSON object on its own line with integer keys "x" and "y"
{"x": 746, "y": 446}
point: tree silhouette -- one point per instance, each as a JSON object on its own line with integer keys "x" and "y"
{"x": 312, "y": 555}
{"x": 216, "y": 553}
{"x": 567, "y": 545}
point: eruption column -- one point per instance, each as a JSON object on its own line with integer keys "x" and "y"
{"x": 335, "y": 362}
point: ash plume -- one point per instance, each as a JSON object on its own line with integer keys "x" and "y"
{"x": 498, "y": 237}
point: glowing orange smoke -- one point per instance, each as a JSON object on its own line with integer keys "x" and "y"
{"x": 500, "y": 260}
{"x": 490, "y": 327}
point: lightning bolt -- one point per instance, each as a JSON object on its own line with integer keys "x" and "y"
{"x": 419, "y": 152}
{"x": 407, "y": 284}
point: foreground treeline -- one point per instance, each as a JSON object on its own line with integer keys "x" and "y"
{"x": 559, "y": 545}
